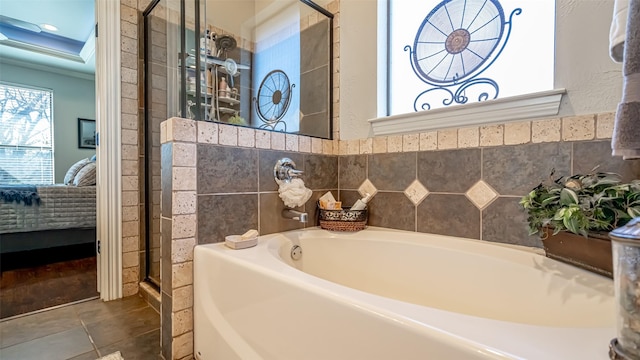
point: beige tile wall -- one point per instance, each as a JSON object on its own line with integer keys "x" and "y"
{"x": 574, "y": 128}
{"x": 132, "y": 151}
{"x": 130, "y": 105}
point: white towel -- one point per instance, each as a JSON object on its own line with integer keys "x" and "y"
{"x": 626, "y": 130}
{"x": 294, "y": 193}
{"x": 617, "y": 33}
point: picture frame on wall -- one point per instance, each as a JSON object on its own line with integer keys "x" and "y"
{"x": 86, "y": 133}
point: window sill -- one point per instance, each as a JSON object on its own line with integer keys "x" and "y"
{"x": 516, "y": 108}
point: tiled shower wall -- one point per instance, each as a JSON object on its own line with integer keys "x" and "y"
{"x": 133, "y": 165}
{"x": 133, "y": 242}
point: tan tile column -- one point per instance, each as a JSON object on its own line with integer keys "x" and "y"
{"x": 131, "y": 195}
{"x": 178, "y": 236}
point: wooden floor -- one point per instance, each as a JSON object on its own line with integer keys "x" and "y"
{"x": 41, "y": 285}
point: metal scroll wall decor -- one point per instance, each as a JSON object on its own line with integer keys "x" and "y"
{"x": 455, "y": 44}
{"x": 273, "y": 99}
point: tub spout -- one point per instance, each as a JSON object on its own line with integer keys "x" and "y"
{"x": 294, "y": 215}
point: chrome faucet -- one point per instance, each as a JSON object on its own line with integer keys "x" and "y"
{"x": 295, "y": 215}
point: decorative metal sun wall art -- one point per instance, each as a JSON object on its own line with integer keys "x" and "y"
{"x": 455, "y": 44}
{"x": 273, "y": 99}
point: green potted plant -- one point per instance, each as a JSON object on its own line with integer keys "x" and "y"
{"x": 573, "y": 215}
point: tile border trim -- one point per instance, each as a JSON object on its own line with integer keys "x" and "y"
{"x": 565, "y": 129}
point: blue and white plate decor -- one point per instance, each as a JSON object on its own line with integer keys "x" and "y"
{"x": 457, "y": 41}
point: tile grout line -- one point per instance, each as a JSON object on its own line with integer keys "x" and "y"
{"x": 93, "y": 344}
{"x": 126, "y": 339}
{"x": 338, "y": 178}
{"x": 258, "y": 187}
{"x": 124, "y": 313}
{"x": 47, "y": 309}
{"x": 482, "y": 179}
{"x": 415, "y": 206}
{"x": 34, "y": 313}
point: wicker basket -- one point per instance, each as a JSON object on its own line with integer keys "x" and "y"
{"x": 342, "y": 220}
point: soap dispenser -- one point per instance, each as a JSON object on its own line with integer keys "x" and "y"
{"x": 361, "y": 204}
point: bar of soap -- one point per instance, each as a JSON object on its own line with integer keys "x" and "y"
{"x": 327, "y": 197}
{"x": 236, "y": 242}
{"x": 323, "y": 204}
{"x": 251, "y": 234}
{"x": 336, "y": 205}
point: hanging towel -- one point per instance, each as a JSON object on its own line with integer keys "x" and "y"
{"x": 618, "y": 29}
{"x": 626, "y": 130}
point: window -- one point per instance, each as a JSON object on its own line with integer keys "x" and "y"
{"x": 26, "y": 135}
{"x": 463, "y": 51}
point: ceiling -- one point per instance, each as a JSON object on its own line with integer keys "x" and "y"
{"x": 71, "y": 47}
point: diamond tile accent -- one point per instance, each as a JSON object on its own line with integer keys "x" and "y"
{"x": 481, "y": 194}
{"x": 367, "y": 187}
{"x": 416, "y": 192}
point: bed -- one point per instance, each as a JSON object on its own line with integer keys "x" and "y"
{"x": 66, "y": 215}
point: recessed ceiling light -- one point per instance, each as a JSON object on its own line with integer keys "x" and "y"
{"x": 49, "y": 27}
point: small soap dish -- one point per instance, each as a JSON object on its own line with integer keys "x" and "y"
{"x": 236, "y": 242}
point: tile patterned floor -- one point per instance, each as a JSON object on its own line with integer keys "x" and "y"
{"x": 84, "y": 331}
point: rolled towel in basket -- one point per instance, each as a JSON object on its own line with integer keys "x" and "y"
{"x": 294, "y": 193}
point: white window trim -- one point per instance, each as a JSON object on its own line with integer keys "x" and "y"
{"x": 503, "y": 110}
{"x": 52, "y": 125}
{"x": 510, "y": 109}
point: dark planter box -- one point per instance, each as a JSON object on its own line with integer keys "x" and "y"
{"x": 591, "y": 253}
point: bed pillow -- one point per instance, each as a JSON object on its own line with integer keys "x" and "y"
{"x": 86, "y": 176}
{"x": 73, "y": 171}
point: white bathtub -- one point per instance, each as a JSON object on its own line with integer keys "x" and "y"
{"x": 386, "y": 294}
